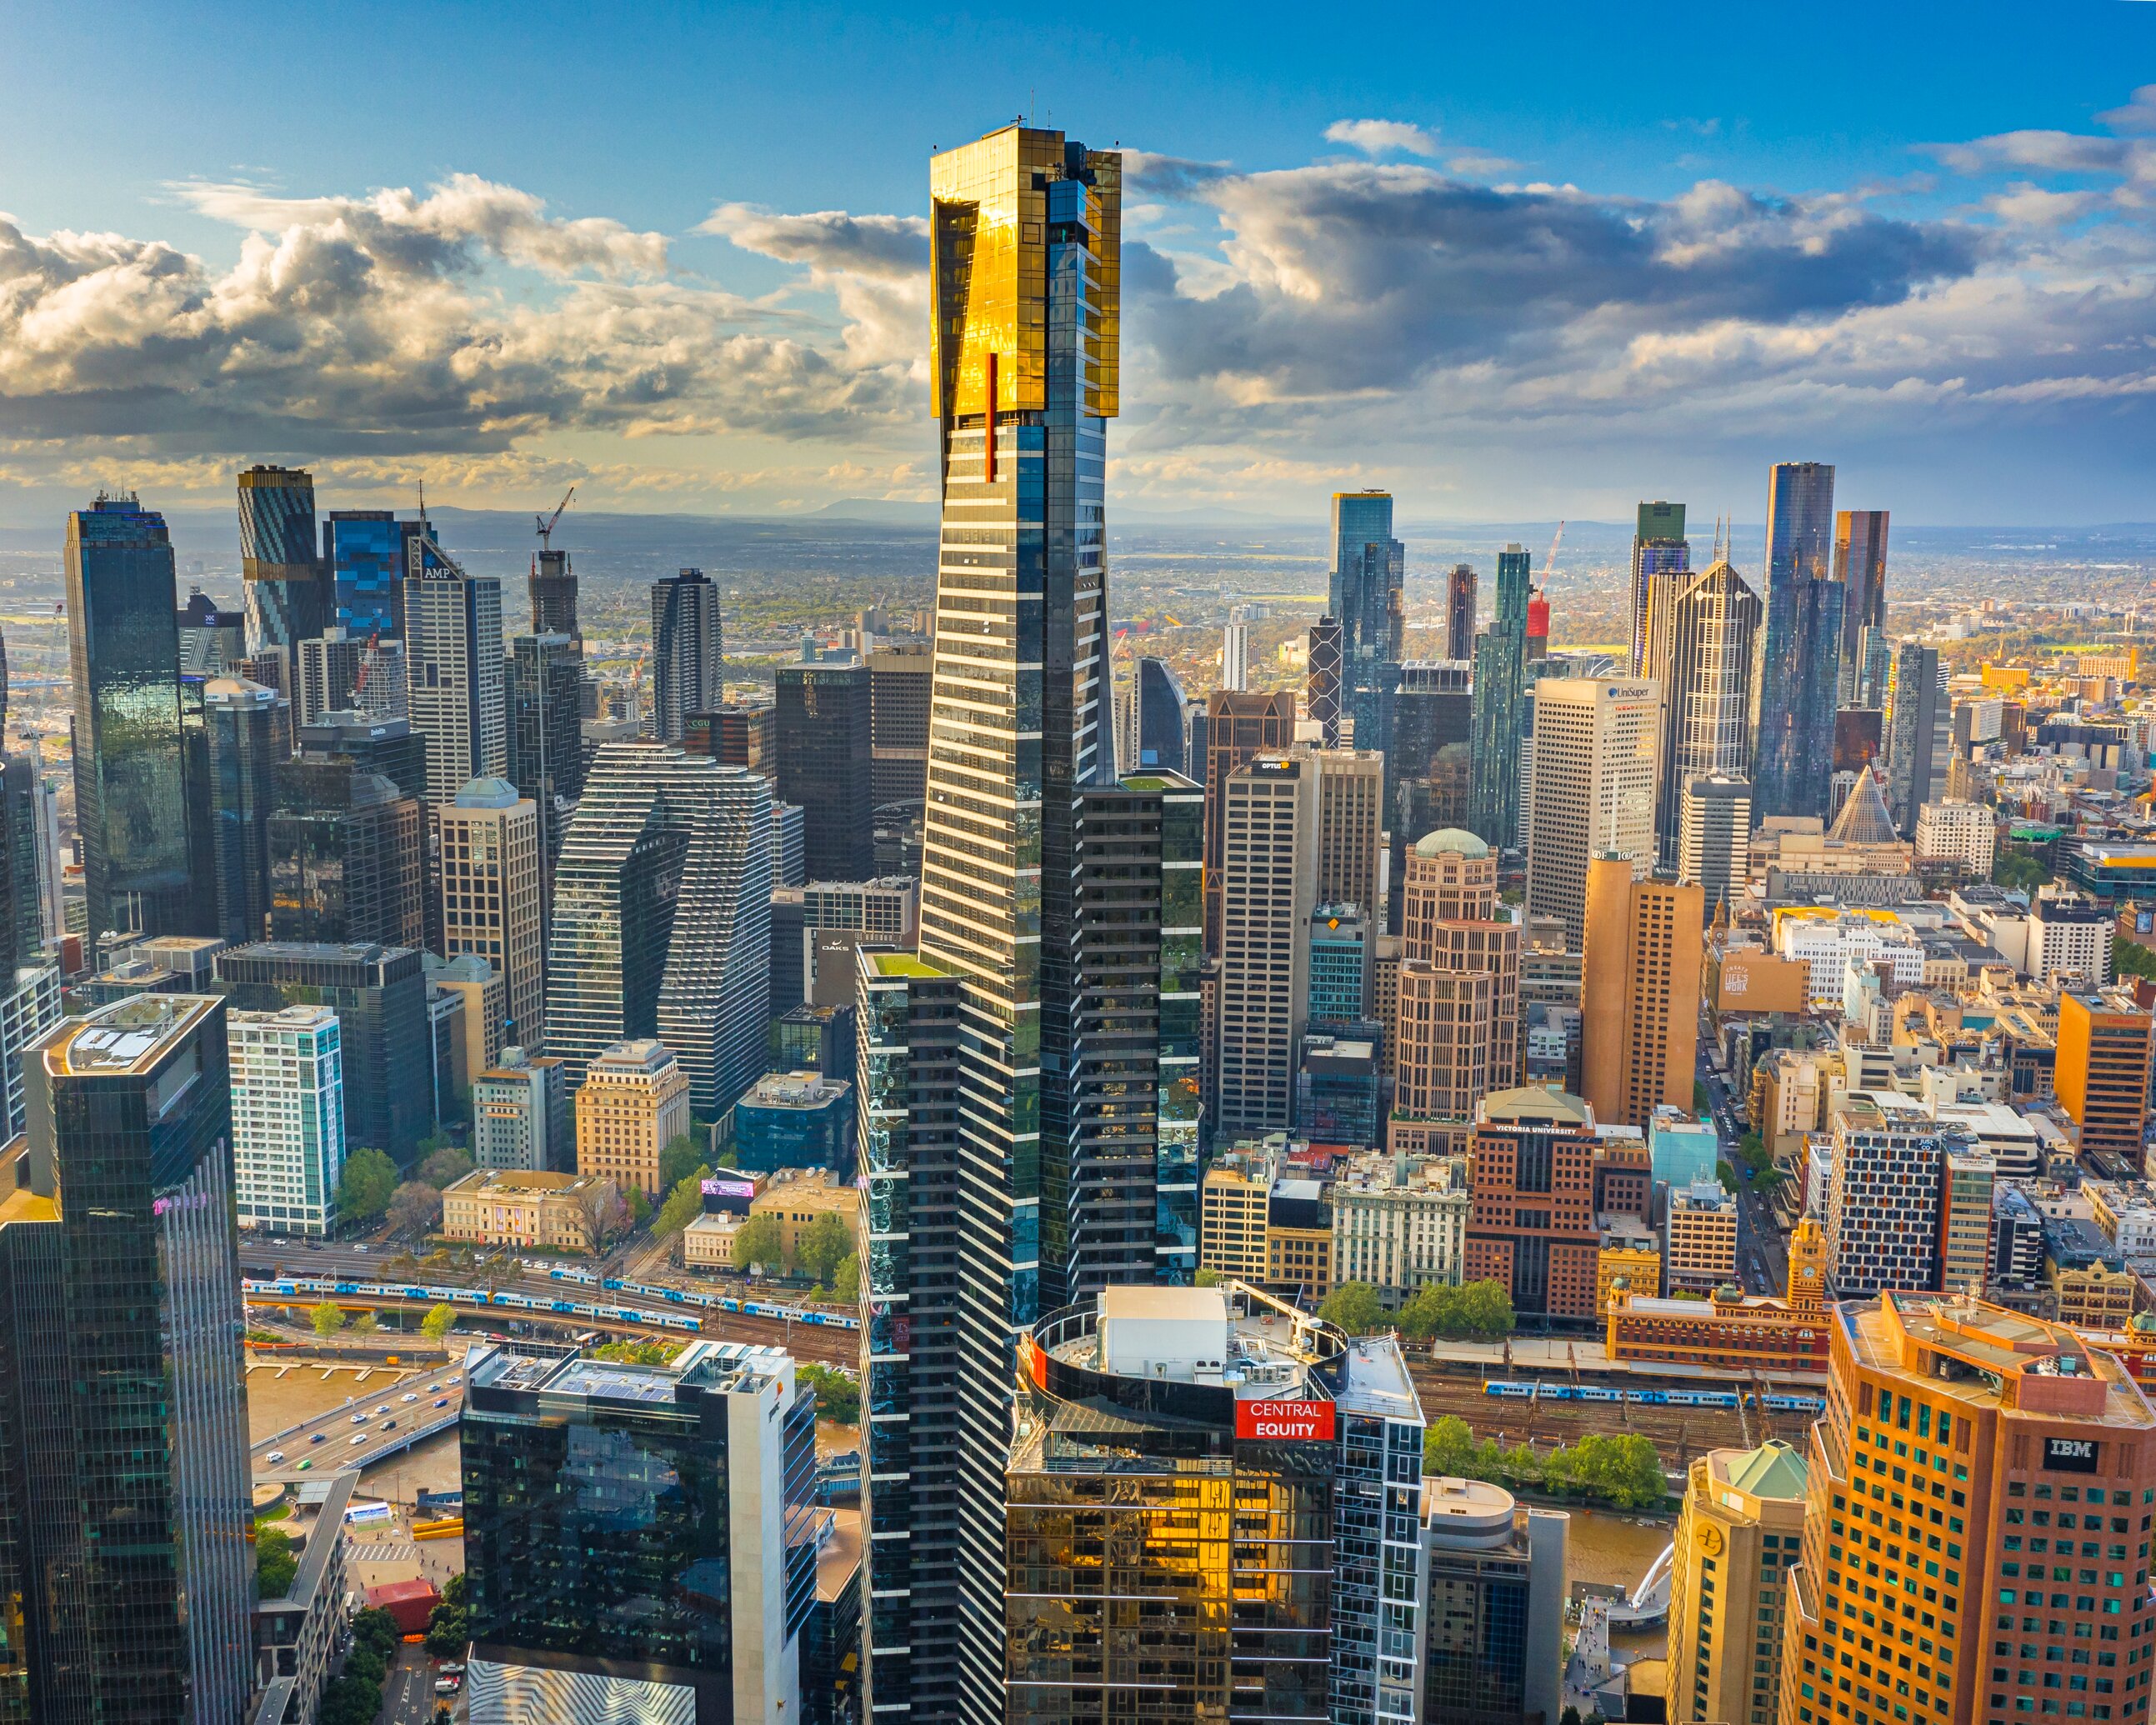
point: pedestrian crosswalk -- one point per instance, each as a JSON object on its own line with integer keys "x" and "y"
{"x": 385, "y": 1551}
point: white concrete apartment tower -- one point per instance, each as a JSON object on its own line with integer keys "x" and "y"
{"x": 1595, "y": 779}
{"x": 1269, "y": 879}
{"x": 287, "y": 1118}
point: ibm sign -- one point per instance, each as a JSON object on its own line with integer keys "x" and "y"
{"x": 2069, "y": 1455}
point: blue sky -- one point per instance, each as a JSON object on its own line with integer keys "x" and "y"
{"x": 1508, "y": 264}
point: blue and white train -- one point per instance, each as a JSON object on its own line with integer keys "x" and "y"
{"x": 334, "y": 1288}
{"x": 1775, "y": 1402}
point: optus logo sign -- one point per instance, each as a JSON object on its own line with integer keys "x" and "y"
{"x": 1294, "y": 1422}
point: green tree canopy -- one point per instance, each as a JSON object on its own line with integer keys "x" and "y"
{"x": 1354, "y": 1306}
{"x": 684, "y": 1199}
{"x": 681, "y": 1157}
{"x": 441, "y": 1318}
{"x": 837, "y": 1397}
{"x": 376, "y": 1628}
{"x": 758, "y": 1240}
{"x": 274, "y": 1563}
{"x": 328, "y": 1318}
{"x": 1209, "y": 1278}
{"x": 2018, "y": 869}
{"x": 350, "y": 1700}
{"x": 366, "y": 1187}
{"x": 1482, "y": 1311}
{"x": 445, "y": 1166}
{"x": 2129, "y": 959}
{"x": 415, "y": 1205}
{"x": 846, "y": 1280}
{"x": 640, "y": 1207}
{"x": 824, "y": 1243}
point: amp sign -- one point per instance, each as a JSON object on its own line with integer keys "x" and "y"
{"x": 1297, "y": 1422}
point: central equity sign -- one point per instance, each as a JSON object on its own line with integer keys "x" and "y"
{"x": 1302, "y": 1422}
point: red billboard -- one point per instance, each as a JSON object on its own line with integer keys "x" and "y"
{"x": 1295, "y": 1422}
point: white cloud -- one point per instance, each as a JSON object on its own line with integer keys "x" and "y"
{"x": 1382, "y": 137}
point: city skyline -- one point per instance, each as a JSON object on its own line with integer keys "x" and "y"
{"x": 1325, "y": 281}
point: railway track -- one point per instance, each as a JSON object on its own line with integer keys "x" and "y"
{"x": 1678, "y": 1434}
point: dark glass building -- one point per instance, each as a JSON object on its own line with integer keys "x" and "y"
{"x": 1321, "y": 696}
{"x": 1796, "y": 683}
{"x": 389, "y": 747}
{"x": 1369, "y": 570}
{"x": 280, "y": 559}
{"x": 379, "y": 995}
{"x": 365, "y": 551}
{"x": 345, "y": 859}
{"x": 546, "y": 735}
{"x": 688, "y": 651}
{"x": 1860, "y": 565}
{"x": 826, "y": 765}
{"x": 1459, "y": 612}
{"x": 553, "y": 587}
{"x": 212, "y": 642}
{"x": 130, "y": 770}
{"x": 1161, "y": 705}
{"x": 639, "y": 1539}
{"x": 125, "y": 1559}
{"x": 1659, "y": 547}
{"x": 901, "y": 677}
{"x": 237, "y": 780}
{"x": 1919, "y": 735}
{"x": 1500, "y": 655}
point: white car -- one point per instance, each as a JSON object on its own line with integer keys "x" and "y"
{"x": 273, "y": 1457}
{"x": 357, "y": 1441}
{"x": 383, "y": 1408}
{"x": 359, "y": 1419}
{"x": 411, "y": 1395}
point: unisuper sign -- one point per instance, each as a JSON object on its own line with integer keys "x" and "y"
{"x": 1302, "y": 1422}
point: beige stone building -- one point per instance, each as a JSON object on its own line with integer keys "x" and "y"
{"x": 1232, "y": 1212}
{"x": 490, "y": 888}
{"x": 1399, "y": 1222}
{"x": 1700, "y": 1237}
{"x": 510, "y": 1207}
{"x": 1630, "y": 1250}
{"x": 633, "y": 1102}
{"x": 1740, "y": 1532}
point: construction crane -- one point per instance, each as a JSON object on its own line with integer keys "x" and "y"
{"x": 1549, "y": 562}
{"x": 547, "y": 523}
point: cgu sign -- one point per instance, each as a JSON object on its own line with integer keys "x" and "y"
{"x": 1295, "y": 1422}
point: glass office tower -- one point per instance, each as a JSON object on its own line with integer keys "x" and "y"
{"x": 1369, "y": 569}
{"x": 130, "y": 771}
{"x": 124, "y": 1481}
{"x": 1860, "y": 565}
{"x": 688, "y": 651}
{"x": 365, "y": 551}
{"x": 1659, "y": 547}
{"x": 457, "y": 700}
{"x": 1798, "y": 678}
{"x": 279, "y": 558}
{"x": 1009, "y": 1161}
{"x": 1500, "y": 655}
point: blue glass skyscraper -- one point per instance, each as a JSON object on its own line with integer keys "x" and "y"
{"x": 1795, "y": 686}
{"x": 130, "y": 774}
{"x": 365, "y": 551}
{"x": 279, "y": 559}
{"x": 1500, "y": 652}
{"x": 1161, "y": 715}
{"x": 1369, "y": 569}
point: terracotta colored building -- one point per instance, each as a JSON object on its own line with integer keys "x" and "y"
{"x": 1745, "y": 1334}
{"x": 1973, "y": 1543}
{"x": 1532, "y": 1197}
{"x": 2101, "y": 1070}
{"x": 1639, "y": 994}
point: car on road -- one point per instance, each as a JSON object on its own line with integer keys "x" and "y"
{"x": 445, "y": 1686}
{"x": 273, "y": 1457}
{"x": 306, "y": 1462}
{"x": 441, "y": 1401}
{"x": 382, "y": 1409}
{"x": 359, "y": 1419}
{"x": 319, "y": 1437}
{"x": 411, "y": 1396}
{"x": 357, "y": 1441}
{"x": 389, "y": 1426}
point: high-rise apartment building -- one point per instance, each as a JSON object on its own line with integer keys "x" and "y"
{"x": 288, "y": 599}
{"x": 1965, "y": 1219}
{"x": 1025, "y": 236}
{"x": 379, "y": 995}
{"x": 1235, "y": 653}
{"x": 2016, "y": 1432}
{"x": 1496, "y": 1605}
{"x": 686, "y": 1599}
{"x": 1321, "y": 680}
{"x": 1704, "y": 637}
{"x": 521, "y": 1115}
{"x": 1739, "y": 1534}
{"x": 1457, "y": 1011}
{"x": 1238, "y": 728}
{"x": 1270, "y": 875}
{"x": 1370, "y": 574}
{"x": 1459, "y": 612}
{"x": 1860, "y": 565}
{"x": 490, "y": 883}
{"x": 1699, "y": 1240}
{"x": 233, "y": 790}
{"x": 2101, "y": 1072}
{"x": 1661, "y": 562}
{"x": 287, "y": 1118}
{"x": 130, "y": 767}
{"x": 1594, "y": 788}
{"x": 1639, "y": 995}
{"x": 1532, "y": 1183}
{"x": 688, "y": 651}
{"x": 545, "y": 677}
{"x": 342, "y": 672}
{"x": 1957, "y": 832}
{"x": 453, "y": 623}
{"x": 901, "y": 679}
{"x": 826, "y": 765}
{"x": 1795, "y": 687}
{"x": 633, "y": 1103}
{"x": 662, "y": 906}
{"x": 1919, "y": 734}
{"x": 1885, "y": 1180}
{"x": 128, "y": 1562}
{"x": 1714, "y": 837}
{"x": 1500, "y": 655}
